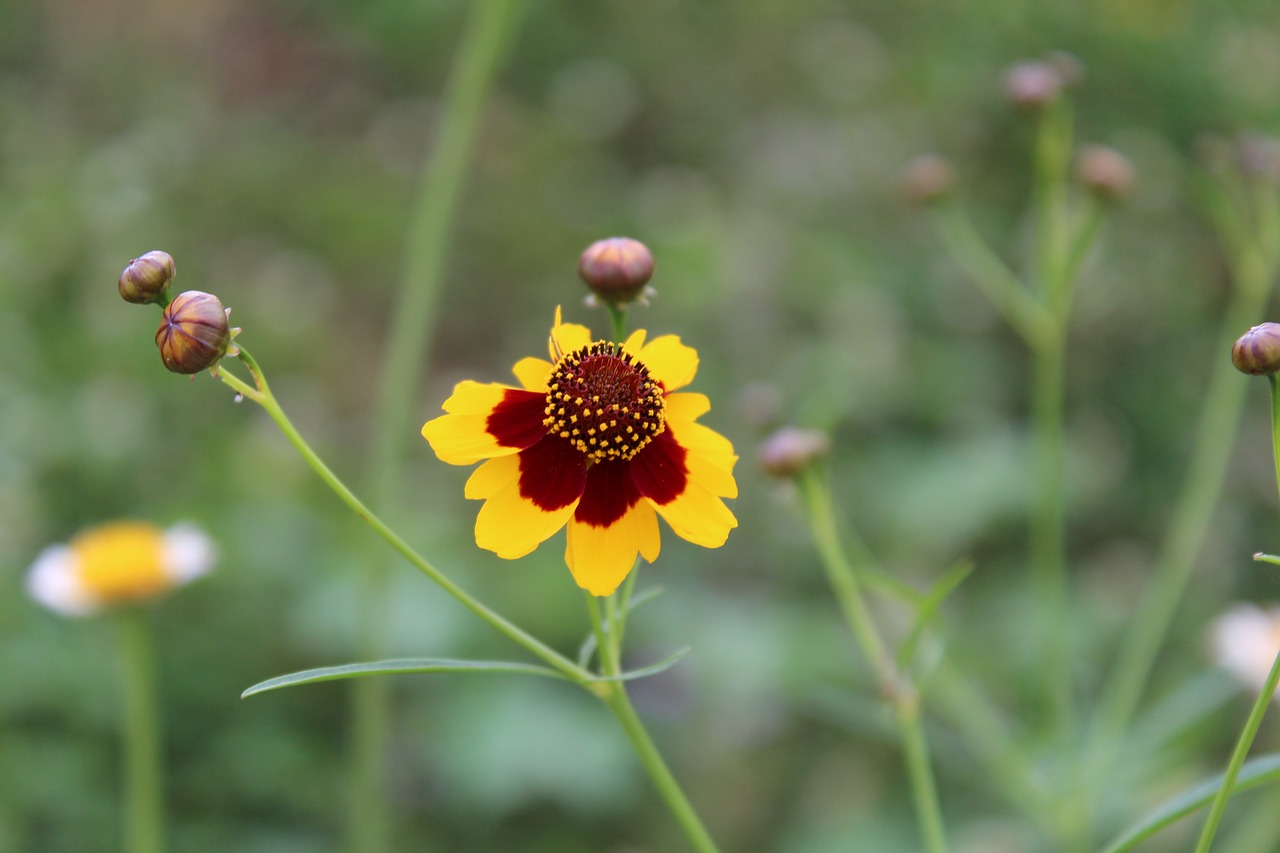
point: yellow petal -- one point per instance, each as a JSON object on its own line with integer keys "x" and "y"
{"x": 567, "y": 337}
{"x": 709, "y": 474}
{"x": 635, "y": 342}
{"x": 492, "y": 477}
{"x": 670, "y": 362}
{"x": 698, "y": 516}
{"x": 686, "y": 407}
{"x": 532, "y": 373}
{"x": 512, "y": 526}
{"x": 472, "y": 398}
{"x": 600, "y": 558}
{"x": 463, "y": 439}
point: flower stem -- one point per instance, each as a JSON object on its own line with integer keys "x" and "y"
{"x": 143, "y": 812}
{"x": 430, "y": 224}
{"x": 261, "y": 394}
{"x": 1253, "y": 259}
{"x": 614, "y": 695}
{"x": 893, "y": 684}
{"x": 617, "y": 322}
{"x": 1251, "y": 726}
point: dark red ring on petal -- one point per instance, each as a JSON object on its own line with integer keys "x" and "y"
{"x": 608, "y": 495}
{"x": 517, "y": 419}
{"x": 553, "y": 473}
{"x": 659, "y": 472}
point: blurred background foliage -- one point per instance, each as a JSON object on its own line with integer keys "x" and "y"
{"x": 275, "y": 150}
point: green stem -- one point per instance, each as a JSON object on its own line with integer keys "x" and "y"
{"x": 998, "y": 283}
{"x": 1268, "y": 693}
{"x": 617, "y": 322}
{"x": 1188, "y": 526}
{"x": 430, "y": 226}
{"x": 615, "y": 696}
{"x": 893, "y": 684}
{"x": 920, "y": 771}
{"x": 841, "y": 576}
{"x": 263, "y": 397}
{"x": 144, "y": 809}
{"x": 1241, "y": 752}
{"x": 1048, "y": 527}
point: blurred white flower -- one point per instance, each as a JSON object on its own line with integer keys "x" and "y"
{"x": 115, "y": 563}
{"x": 1245, "y": 641}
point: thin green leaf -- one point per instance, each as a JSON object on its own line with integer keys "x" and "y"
{"x": 889, "y": 585}
{"x": 646, "y": 671}
{"x": 397, "y": 667}
{"x": 928, "y": 609}
{"x": 1256, "y": 772}
{"x": 1267, "y": 558}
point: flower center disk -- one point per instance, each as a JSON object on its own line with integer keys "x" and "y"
{"x": 604, "y": 402}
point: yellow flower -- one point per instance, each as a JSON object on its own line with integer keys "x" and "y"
{"x": 596, "y": 439}
{"x": 114, "y": 563}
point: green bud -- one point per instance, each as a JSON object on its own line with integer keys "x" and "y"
{"x": 616, "y": 268}
{"x": 1258, "y": 350}
{"x": 790, "y": 450}
{"x": 147, "y": 277}
{"x": 194, "y": 333}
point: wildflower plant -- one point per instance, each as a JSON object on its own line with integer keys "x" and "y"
{"x": 119, "y": 568}
{"x": 599, "y": 439}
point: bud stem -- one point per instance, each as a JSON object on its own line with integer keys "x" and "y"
{"x": 1260, "y": 705}
{"x": 894, "y": 684}
{"x": 618, "y": 321}
{"x": 261, "y": 395}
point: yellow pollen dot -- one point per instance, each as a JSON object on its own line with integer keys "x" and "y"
{"x": 611, "y": 396}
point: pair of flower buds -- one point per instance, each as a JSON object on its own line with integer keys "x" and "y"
{"x": 195, "y": 331}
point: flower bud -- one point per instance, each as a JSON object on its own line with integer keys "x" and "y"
{"x": 1258, "y": 350}
{"x": 1069, "y": 67}
{"x": 146, "y": 278}
{"x": 790, "y": 450}
{"x": 1259, "y": 157}
{"x": 927, "y": 179}
{"x": 1032, "y": 85}
{"x": 1104, "y": 172}
{"x": 616, "y": 268}
{"x": 194, "y": 332}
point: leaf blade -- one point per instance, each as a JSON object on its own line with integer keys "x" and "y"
{"x": 397, "y": 666}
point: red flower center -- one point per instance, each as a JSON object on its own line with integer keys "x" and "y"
{"x": 604, "y": 402}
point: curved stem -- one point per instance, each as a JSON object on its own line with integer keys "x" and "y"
{"x": 1268, "y": 693}
{"x": 894, "y": 685}
{"x": 1188, "y": 526}
{"x": 430, "y": 225}
{"x": 143, "y": 811}
{"x": 263, "y": 397}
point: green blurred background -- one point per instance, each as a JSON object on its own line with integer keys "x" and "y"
{"x": 275, "y": 150}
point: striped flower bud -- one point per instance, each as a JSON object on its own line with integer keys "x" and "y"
{"x": 194, "y": 332}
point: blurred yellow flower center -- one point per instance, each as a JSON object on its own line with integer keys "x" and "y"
{"x": 604, "y": 402}
{"x": 122, "y": 561}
